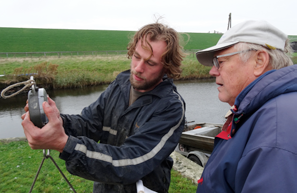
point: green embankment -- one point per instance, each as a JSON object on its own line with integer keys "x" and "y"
{"x": 71, "y": 72}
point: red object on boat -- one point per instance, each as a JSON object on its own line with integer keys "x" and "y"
{"x": 197, "y": 127}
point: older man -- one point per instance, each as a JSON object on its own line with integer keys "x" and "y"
{"x": 138, "y": 120}
{"x": 257, "y": 148}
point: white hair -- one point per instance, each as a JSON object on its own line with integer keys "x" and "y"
{"x": 277, "y": 58}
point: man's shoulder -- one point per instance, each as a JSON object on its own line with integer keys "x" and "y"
{"x": 272, "y": 125}
{"x": 164, "y": 89}
{"x": 121, "y": 79}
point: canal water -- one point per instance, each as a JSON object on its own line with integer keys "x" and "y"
{"x": 201, "y": 97}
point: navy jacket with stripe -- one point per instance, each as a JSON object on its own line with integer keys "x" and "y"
{"x": 135, "y": 141}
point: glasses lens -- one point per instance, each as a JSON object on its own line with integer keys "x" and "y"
{"x": 215, "y": 62}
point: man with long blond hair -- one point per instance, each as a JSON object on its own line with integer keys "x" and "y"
{"x": 138, "y": 120}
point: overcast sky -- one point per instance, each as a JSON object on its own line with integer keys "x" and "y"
{"x": 183, "y": 15}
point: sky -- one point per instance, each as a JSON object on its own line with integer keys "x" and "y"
{"x": 130, "y": 15}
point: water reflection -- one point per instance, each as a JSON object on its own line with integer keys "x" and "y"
{"x": 202, "y": 104}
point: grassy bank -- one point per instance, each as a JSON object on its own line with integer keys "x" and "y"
{"x": 19, "y": 164}
{"x": 81, "y": 71}
{"x": 72, "y": 72}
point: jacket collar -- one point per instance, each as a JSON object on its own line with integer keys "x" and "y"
{"x": 270, "y": 85}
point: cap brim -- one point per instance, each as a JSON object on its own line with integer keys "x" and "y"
{"x": 205, "y": 56}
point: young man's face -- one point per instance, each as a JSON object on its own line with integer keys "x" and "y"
{"x": 147, "y": 73}
{"x": 232, "y": 76}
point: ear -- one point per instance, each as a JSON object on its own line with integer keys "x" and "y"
{"x": 261, "y": 63}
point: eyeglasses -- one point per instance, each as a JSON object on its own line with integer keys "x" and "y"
{"x": 216, "y": 62}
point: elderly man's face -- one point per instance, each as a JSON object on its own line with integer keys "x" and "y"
{"x": 233, "y": 75}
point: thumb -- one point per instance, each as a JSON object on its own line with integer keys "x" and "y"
{"x": 52, "y": 104}
{"x": 47, "y": 110}
{"x": 50, "y": 111}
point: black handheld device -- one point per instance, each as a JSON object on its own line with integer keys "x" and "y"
{"x": 36, "y": 97}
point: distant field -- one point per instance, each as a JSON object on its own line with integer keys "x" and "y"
{"x": 53, "y": 40}
{"x": 47, "y": 40}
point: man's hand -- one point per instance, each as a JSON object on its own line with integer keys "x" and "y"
{"x": 52, "y": 135}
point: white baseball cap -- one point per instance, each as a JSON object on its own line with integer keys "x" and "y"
{"x": 257, "y": 32}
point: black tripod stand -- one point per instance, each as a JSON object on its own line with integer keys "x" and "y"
{"x": 47, "y": 155}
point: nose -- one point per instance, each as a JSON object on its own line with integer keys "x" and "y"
{"x": 139, "y": 66}
{"x": 214, "y": 71}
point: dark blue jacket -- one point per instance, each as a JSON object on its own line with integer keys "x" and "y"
{"x": 261, "y": 154}
{"x": 135, "y": 141}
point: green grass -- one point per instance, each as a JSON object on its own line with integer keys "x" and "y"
{"x": 19, "y": 165}
{"x": 199, "y": 41}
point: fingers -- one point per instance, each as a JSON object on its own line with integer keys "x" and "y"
{"x": 23, "y": 116}
{"x": 26, "y": 108}
{"x": 28, "y": 126}
{"x": 50, "y": 101}
{"x": 53, "y": 114}
{"x": 26, "y": 120}
{"x": 50, "y": 108}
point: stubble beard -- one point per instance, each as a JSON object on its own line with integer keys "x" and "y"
{"x": 146, "y": 85}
